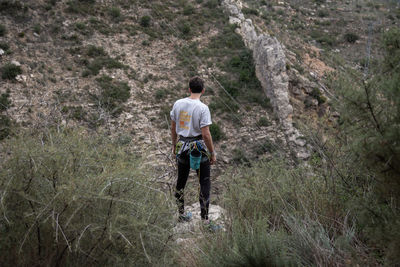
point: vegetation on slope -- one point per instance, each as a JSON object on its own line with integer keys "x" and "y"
{"x": 70, "y": 199}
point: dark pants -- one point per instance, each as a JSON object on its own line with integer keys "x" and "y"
{"x": 204, "y": 178}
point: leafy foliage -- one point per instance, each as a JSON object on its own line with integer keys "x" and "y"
{"x": 3, "y": 30}
{"x": 70, "y": 199}
{"x": 113, "y": 94}
{"x": 370, "y": 120}
{"x": 9, "y": 71}
{"x": 216, "y": 132}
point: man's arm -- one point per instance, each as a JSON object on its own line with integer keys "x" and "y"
{"x": 174, "y": 136}
{"x": 205, "y": 132}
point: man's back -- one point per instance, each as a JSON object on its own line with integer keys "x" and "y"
{"x": 190, "y": 116}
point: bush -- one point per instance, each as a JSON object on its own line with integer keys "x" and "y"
{"x": 81, "y": 6}
{"x": 11, "y": 6}
{"x": 316, "y": 93}
{"x": 5, "y": 47}
{"x": 4, "y": 101}
{"x": 37, "y": 29}
{"x": 145, "y": 21}
{"x": 94, "y": 51}
{"x": 113, "y": 94}
{"x": 3, "y": 30}
{"x": 5, "y": 128}
{"x": 188, "y": 10}
{"x": 280, "y": 216}
{"x": 115, "y": 13}
{"x": 69, "y": 199}
{"x": 100, "y": 60}
{"x": 250, "y": 11}
{"x": 322, "y": 13}
{"x": 216, "y": 132}
{"x": 211, "y": 4}
{"x": 239, "y": 157}
{"x": 9, "y": 71}
{"x": 263, "y": 121}
{"x": 351, "y": 37}
{"x": 185, "y": 28}
{"x": 323, "y": 38}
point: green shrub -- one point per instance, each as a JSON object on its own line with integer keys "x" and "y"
{"x": 280, "y": 216}
{"x": 81, "y": 6}
{"x": 37, "y": 28}
{"x": 211, "y": 4}
{"x": 100, "y": 60}
{"x": 113, "y": 94}
{"x": 250, "y": 11}
{"x": 5, "y": 126}
{"x": 4, "y": 101}
{"x": 161, "y": 94}
{"x": 9, "y": 71}
{"x": 185, "y": 29}
{"x": 263, "y": 121}
{"x": 115, "y": 13}
{"x": 188, "y": 10}
{"x": 70, "y": 199}
{"x": 76, "y": 113}
{"x": 216, "y": 132}
{"x": 322, "y": 13}
{"x": 145, "y": 21}
{"x": 391, "y": 41}
{"x": 11, "y": 6}
{"x": 323, "y": 38}
{"x": 351, "y": 37}
{"x": 316, "y": 93}
{"x": 3, "y": 30}
{"x": 239, "y": 157}
{"x": 94, "y": 51}
{"x": 5, "y": 47}
{"x": 80, "y": 26}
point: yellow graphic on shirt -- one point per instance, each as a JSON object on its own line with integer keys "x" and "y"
{"x": 184, "y": 118}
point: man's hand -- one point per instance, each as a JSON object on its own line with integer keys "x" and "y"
{"x": 213, "y": 159}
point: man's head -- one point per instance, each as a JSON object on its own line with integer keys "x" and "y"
{"x": 196, "y": 85}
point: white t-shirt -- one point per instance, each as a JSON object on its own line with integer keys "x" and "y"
{"x": 190, "y": 116}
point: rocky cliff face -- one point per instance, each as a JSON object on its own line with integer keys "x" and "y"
{"x": 270, "y": 61}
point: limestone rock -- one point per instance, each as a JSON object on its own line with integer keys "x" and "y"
{"x": 16, "y": 63}
{"x": 2, "y": 52}
{"x": 215, "y": 213}
{"x": 21, "y": 78}
{"x": 270, "y": 61}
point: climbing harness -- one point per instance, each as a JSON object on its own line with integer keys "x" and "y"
{"x": 194, "y": 148}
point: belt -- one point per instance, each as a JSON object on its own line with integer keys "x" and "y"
{"x": 190, "y": 138}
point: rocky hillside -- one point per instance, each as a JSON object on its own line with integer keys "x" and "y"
{"x": 118, "y": 66}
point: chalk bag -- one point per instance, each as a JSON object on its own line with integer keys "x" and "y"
{"x": 195, "y": 159}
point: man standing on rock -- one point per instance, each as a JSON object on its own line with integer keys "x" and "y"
{"x": 190, "y": 122}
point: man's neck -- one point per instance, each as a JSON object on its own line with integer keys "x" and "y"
{"x": 195, "y": 96}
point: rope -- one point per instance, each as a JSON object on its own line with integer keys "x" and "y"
{"x": 262, "y": 145}
{"x": 278, "y": 149}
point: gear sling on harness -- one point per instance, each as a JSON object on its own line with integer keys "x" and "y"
{"x": 195, "y": 148}
{"x": 195, "y": 157}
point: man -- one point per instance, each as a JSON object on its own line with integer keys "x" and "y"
{"x": 190, "y": 122}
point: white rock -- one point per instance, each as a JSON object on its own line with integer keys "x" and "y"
{"x": 270, "y": 60}
{"x": 21, "y": 78}
{"x": 16, "y": 63}
{"x": 215, "y": 213}
{"x": 2, "y": 52}
{"x": 35, "y": 34}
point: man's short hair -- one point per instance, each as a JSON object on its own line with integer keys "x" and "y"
{"x": 196, "y": 85}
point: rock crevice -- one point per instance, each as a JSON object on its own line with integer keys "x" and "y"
{"x": 270, "y": 63}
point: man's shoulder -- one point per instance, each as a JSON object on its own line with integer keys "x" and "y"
{"x": 181, "y": 100}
